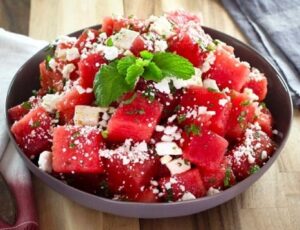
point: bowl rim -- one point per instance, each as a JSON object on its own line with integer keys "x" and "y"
{"x": 43, "y": 175}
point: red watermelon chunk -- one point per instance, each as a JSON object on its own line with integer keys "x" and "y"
{"x": 50, "y": 80}
{"x": 218, "y": 177}
{"x": 135, "y": 120}
{"x": 186, "y": 47}
{"x": 89, "y": 35}
{"x": 88, "y": 67}
{"x": 181, "y": 18}
{"x": 138, "y": 45}
{"x": 76, "y": 150}
{"x": 173, "y": 188}
{"x": 17, "y": 112}
{"x": 128, "y": 176}
{"x": 216, "y": 103}
{"x": 242, "y": 113}
{"x": 33, "y": 132}
{"x": 265, "y": 120}
{"x": 148, "y": 196}
{"x": 66, "y": 106}
{"x": 250, "y": 154}
{"x": 228, "y": 71}
{"x": 258, "y": 83}
{"x": 205, "y": 149}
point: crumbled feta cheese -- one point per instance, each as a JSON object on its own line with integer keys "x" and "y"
{"x": 165, "y": 159}
{"x": 212, "y": 191}
{"x": 223, "y": 102}
{"x": 159, "y": 128}
{"x": 160, "y": 45}
{"x": 72, "y": 54}
{"x": 188, "y": 196}
{"x": 161, "y": 26}
{"x": 163, "y": 86}
{"x": 256, "y": 75}
{"x": 128, "y": 152}
{"x": 178, "y": 165}
{"x": 67, "y": 70}
{"x": 167, "y": 148}
{"x": 86, "y": 115}
{"x": 252, "y": 96}
{"x": 49, "y": 102}
{"x": 52, "y": 64}
{"x": 264, "y": 155}
{"x": 111, "y": 53}
{"x": 210, "y": 59}
{"x": 45, "y": 161}
{"x": 211, "y": 83}
{"x": 124, "y": 38}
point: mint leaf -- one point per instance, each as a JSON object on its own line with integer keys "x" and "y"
{"x": 146, "y": 54}
{"x": 174, "y": 65}
{"x": 109, "y": 42}
{"x": 124, "y": 64}
{"x": 152, "y": 72}
{"x": 133, "y": 72}
{"x": 109, "y": 85}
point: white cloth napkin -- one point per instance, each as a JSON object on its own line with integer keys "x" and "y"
{"x": 15, "y": 49}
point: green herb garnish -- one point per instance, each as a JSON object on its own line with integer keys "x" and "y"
{"x": 181, "y": 118}
{"x": 169, "y": 196}
{"x": 122, "y": 75}
{"x": 104, "y": 134}
{"x": 109, "y": 42}
{"x": 47, "y": 59}
{"x": 227, "y": 177}
{"x": 254, "y": 169}
{"x": 26, "y": 105}
{"x": 245, "y": 103}
{"x": 192, "y": 129}
{"x": 36, "y": 124}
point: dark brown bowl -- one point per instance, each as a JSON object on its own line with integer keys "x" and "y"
{"x": 278, "y": 101}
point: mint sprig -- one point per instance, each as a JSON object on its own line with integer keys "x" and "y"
{"x": 119, "y": 77}
{"x": 109, "y": 85}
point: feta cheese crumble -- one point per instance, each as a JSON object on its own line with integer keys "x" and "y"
{"x": 45, "y": 161}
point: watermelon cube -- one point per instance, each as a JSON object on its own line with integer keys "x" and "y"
{"x": 88, "y": 67}
{"x": 205, "y": 149}
{"x": 89, "y": 35}
{"x": 241, "y": 115}
{"x": 51, "y": 81}
{"x": 135, "y": 120}
{"x": 76, "y": 150}
{"x": 186, "y": 47}
{"x": 138, "y": 45}
{"x": 17, "y": 112}
{"x": 228, "y": 71}
{"x": 259, "y": 86}
{"x": 265, "y": 120}
{"x": 128, "y": 177}
{"x": 66, "y": 106}
{"x": 33, "y": 132}
{"x": 251, "y": 152}
{"x": 218, "y": 177}
{"x": 173, "y": 188}
{"x": 216, "y": 104}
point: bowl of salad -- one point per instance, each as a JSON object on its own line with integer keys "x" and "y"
{"x": 149, "y": 118}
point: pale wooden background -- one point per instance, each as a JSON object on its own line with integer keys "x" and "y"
{"x": 271, "y": 203}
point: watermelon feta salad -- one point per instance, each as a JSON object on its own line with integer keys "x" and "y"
{"x": 150, "y": 110}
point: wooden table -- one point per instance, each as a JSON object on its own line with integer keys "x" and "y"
{"x": 271, "y": 203}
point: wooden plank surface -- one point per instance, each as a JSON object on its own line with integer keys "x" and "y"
{"x": 271, "y": 203}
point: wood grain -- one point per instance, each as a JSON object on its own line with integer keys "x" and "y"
{"x": 271, "y": 203}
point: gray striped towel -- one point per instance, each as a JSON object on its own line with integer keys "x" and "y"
{"x": 273, "y": 28}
